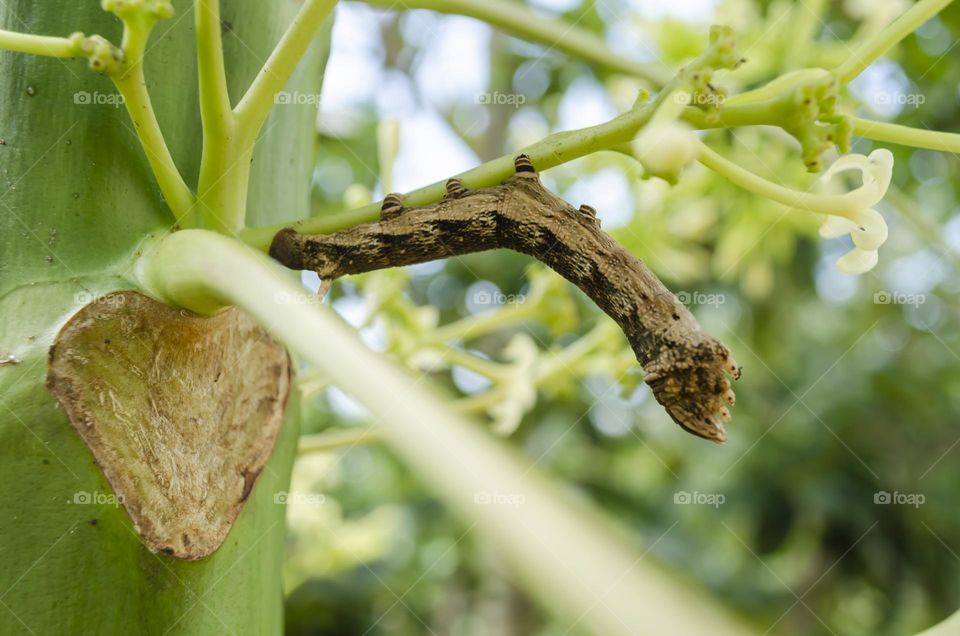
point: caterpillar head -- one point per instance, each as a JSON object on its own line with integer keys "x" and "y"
{"x": 690, "y": 380}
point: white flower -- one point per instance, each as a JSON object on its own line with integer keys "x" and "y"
{"x": 865, "y": 225}
{"x": 666, "y": 148}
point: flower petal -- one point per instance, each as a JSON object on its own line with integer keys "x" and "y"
{"x": 848, "y": 162}
{"x": 858, "y": 261}
{"x": 882, "y": 166}
{"x": 836, "y": 226}
{"x": 666, "y": 149}
{"x": 871, "y": 232}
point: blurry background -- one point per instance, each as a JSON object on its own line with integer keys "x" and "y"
{"x": 830, "y": 510}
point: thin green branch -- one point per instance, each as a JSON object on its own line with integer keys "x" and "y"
{"x": 45, "y": 45}
{"x": 807, "y": 23}
{"x": 551, "y": 151}
{"x": 337, "y": 440}
{"x": 840, "y": 205}
{"x": 224, "y": 178}
{"x": 128, "y": 77}
{"x": 906, "y": 136}
{"x": 215, "y": 109}
{"x": 133, "y": 88}
{"x": 517, "y": 20}
{"x": 255, "y": 105}
{"x": 876, "y": 46}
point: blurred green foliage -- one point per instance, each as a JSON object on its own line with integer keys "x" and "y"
{"x": 851, "y": 386}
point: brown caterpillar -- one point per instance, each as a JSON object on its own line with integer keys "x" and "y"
{"x": 686, "y": 368}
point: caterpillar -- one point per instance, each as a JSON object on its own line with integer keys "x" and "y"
{"x": 685, "y": 368}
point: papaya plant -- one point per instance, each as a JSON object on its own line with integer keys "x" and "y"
{"x": 151, "y": 156}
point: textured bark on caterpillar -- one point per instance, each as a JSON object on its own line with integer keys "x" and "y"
{"x": 686, "y": 368}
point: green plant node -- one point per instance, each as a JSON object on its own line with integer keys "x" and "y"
{"x": 101, "y": 54}
{"x": 809, "y": 113}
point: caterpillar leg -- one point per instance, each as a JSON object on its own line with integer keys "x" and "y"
{"x": 455, "y": 189}
{"x": 589, "y": 212}
{"x": 392, "y": 206}
{"x": 522, "y": 164}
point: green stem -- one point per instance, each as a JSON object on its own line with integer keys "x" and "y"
{"x": 461, "y": 358}
{"x": 222, "y": 184}
{"x": 132, "y": 85}
{"x": 480, "y": 324}
{"x": 886, "y": 39}
{"x": 559, "y": 362}
{"x": 44, "y": 45}
{"x": 479, "y": 402}
{"x": 559, "y": 548}
{"x": 840, "y": 205}
{"x": 337, "y": 440}
{"x": 215, "y": 110}
{"x": 906, "y": 136}
{"x": 255, "y": 105}
{"x": 514, "y": 18}
{"x": 809, "y": 19}
{"x": 551, "y": 151}
{"x": 229, "y": 136}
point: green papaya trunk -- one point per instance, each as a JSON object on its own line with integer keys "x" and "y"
{"x": 76, "y": 199}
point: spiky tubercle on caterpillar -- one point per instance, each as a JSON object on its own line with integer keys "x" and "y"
{"x": 685, "y": 367}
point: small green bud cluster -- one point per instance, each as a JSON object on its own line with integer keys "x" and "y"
{"x": 721, "y": 53}
{"x": 103, "y": 56}
{"x": 810, "y": 114}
